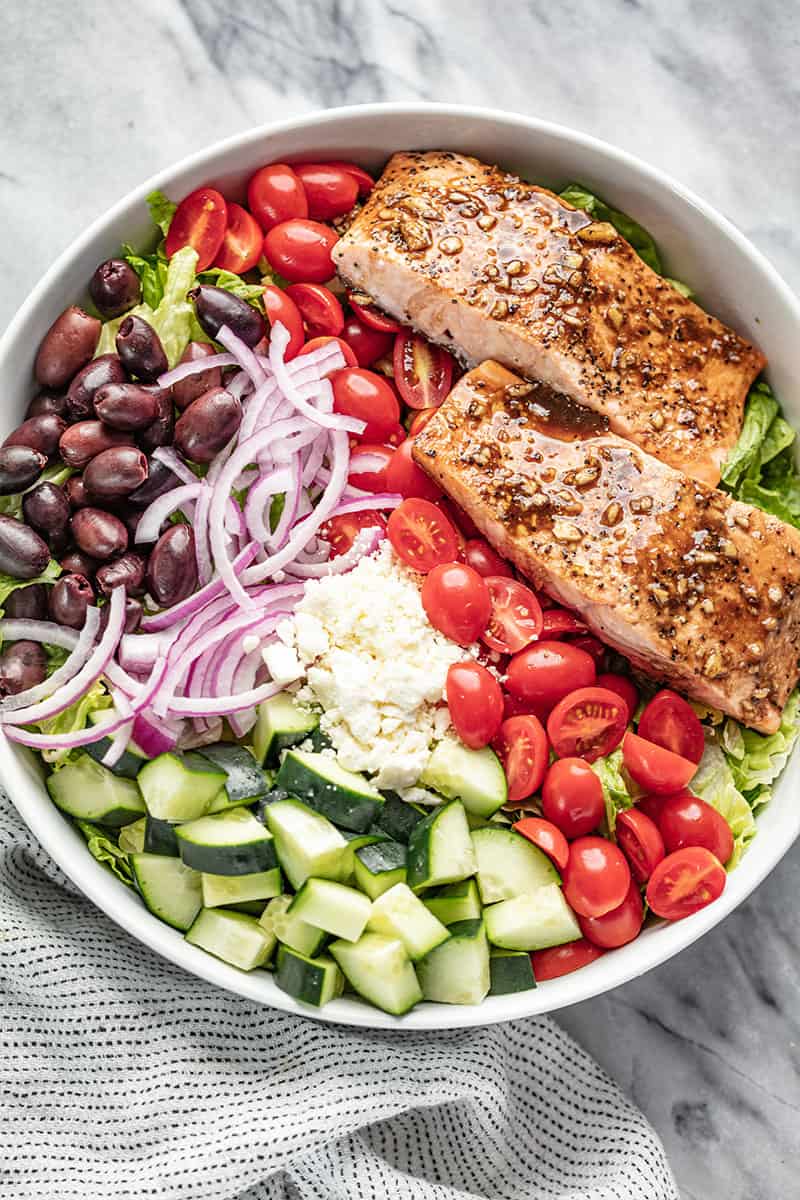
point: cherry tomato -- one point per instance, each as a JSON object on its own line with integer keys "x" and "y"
{"x": 368, "y": 397}
{"x": 514, "y": 707}
{"x": 623, "y": 686}
{"x": 423, "y": 372}
{"x": 300, "y": 250}
{"x": 651, "y": 806}
{"x": 365, "y": 181}
{"x": 367, "y": 344}
{"x": 572, "y": 797}
{"x": 588, "y": 723}
{"x": 654, "y": 768}
{"x": 275, "y": 194}
{"x": 371, "y": 315}
{"x": 671, "y": 722}
{"x": 558, "y": 621}
{"x": 457, "y": 602}
{"x": 563, "y": 960}
{"x": 596, "y": 877}
{"x": 475, "y": 702}
{"x": 368, "y": 467}
{"x": 686, "y": 820}
{"x": 317, "y": 342}
{"x": 319, "y": 308}
{"x": 241, "y": 242}
{"x": 330, "y": 191}
{"x": 460, "y": 518}
{"x": 342, "y": 531}
{"x": 397, "y": 435}
{"x": 546, "y": 671}
{"x": 420, "y": 420}
{"x": 279, "y": 306}
{"x": 593, "y": 646}
{"x": 617, "y": 927}
{"x": 684, "y": 882}
{"x": 516, "y": 616}
{"x": 522, "y": 748}
{"x": 421, "y": 535}
{"x": 482, "y": 558}
{"x": 406, "y": 478}
{"x": 199, "y": 221}
{"x": 640, "y": 841}
{"x": 546, "y": 836}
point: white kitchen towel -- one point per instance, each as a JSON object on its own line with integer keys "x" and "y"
{"x": 123, "y": 1078}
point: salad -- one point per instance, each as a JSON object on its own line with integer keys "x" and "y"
{"x": 280, "y": 682}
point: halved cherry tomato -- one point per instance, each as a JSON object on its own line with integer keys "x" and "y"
{"x": 460, "y": 518}
{"x": 368, "y": 397}
{"x": 279, "y": 306}
{"x": 420, "y": 420}
{"x": 475, "y": 702}
{"x": 684, "y": 882}
{"x": 588, "y": 723}
{"x": 457, "y": 602}
{"x": 406, "y": 478}
{"x": 316, "y": 342}
{"x": 596, "y": 877}
{"x": 330, "y": 191}
{"x": 368, "y": 312}
{"x": 275, "y": 194}
{"x": 516, "y": 619}
{"x": 558, "y": 621}
{"x": 640, "y": 841}
{"x": 482, "y": 558}
{"x": 199, "y": 221}
{"x": 546, "y": 671}
{"x": 546, "y": 836}
{"x": 300, "y": 250}
{"x": 623, "y": 686}
{"x": 421, "y": 535}
{"x": 365, "y": 181}
{"x": 671, "y": 722}
{"x": 367, "y": 344}
{"x": 241, "y": 242}
{"x": 651, "y": 806}
{"x": 368, "y": 467}
{"x": 563, "y": 960}
{"x": 572, "y": 797}
{"x": 521, "y": 746}
{"x": 654, "y": 768}
{"x": 423, "y": 372}
{"x": 593, "y": 646}
{"x": 319, "y": 308}
{"x": 617, "y": 927}
{"x": 686, "y": 820}
{"x": 342, "y": 531}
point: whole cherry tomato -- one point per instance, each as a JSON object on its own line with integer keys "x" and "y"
{"x": 475, "y": 702}
{"x": 457, "y": 603}
{"x": 671, "y": 722}
{"x": 596, "y": 877}
{"x": 406, "y": 478}
{"x": 368, "y": 397}
{"x": 478, "y": 553}
{"x": 330, "y": 191}
{"x": 686, "y": 820}
{"x": 617, "y": 927}
{"x": 275, "y": 194}
{"x": 546, "y": 671}
{"x": 367, "y": 344}
{"x": 300, "y": 250}
{"x": 563, "y": 960}
{"x": 572, "y": 797}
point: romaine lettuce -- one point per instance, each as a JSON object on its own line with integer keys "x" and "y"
{"x": 102, "y": 846}
{"x": 616, "y": 795}
{"x": 642, "y": 242}
{"x": 757, "y": 759}
{"x": 162, "y": 210}
{"x": 173, "y": 317}
{"x": 761, "y": 469}
{"x": 71, "y": 719}
{"x": 9, "y": 584}
{"x": 714, "y": 782}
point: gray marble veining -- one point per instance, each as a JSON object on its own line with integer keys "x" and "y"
{"x": 95, "y": 97}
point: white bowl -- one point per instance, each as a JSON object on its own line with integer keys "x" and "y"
{"x": 732, "y": 279}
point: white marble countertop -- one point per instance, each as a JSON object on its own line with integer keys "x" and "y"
{"x": 96, "y": 100}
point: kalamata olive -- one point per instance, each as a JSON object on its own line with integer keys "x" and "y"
{"x": 187, "y": 390}
{"x": 23, "y": 553}
{"x": 80, "y": 443}
{"x": 46, "y": 509}
{"x": 78, "y": 563}
{"x": 114, "y": 287}
{"x": 215, "y": 307}
{"x": 172, "y": 568}
{"x": 207, "y": 425}
{"x": 114, "y": 473}
{"x": 162, "y": 430}
{"x": 66, "y": 347}
{"x": 159, "y": 480}
{"x": 27, "y": 603}
{"x": 126, "y": 571}
{"x": 100, "y": 372}
{"x": 140, "y": 349}
{"x": 41, "y": 433}
{"x": 47, "y": 402}
{"x": 125, "y": 405}
{"x": 22, "y": 666}
{"x": 70, "y": 596}
{"x": 98, "y": 533}
{"x": 20, "y": 466}
{"x": 75, "y": 490}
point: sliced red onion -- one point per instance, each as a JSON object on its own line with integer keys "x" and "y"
{"x": 245, "y": 357}
{"x": 169, "y": 458}
{"x": 259, "y": 501}
{"x": 153, "y": 735}
{"x": 366, "y": 542}
{"x": 119, "y": 740}
{"x": 290, "y": 509}
{"x": 193, "y": 604}
{"x": 187, "y": 369}
{"x": 223, "y": 706}
{"x": 154, "y": 516}
{"x": 367, "y": 502}
{"x": 16, "y": 629}
{"x": 80, "y": 653}
{"x": 279, "y": 340}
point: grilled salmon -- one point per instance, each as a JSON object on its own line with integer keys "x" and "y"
{"x": 496, "y": 268}
{"x": 692, "y": 586}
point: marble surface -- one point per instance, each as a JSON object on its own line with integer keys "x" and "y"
{"x": 95, "y": 97}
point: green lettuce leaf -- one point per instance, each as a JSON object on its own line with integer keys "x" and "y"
{"x": 9, "y": 584}
{"x": 152, "y": 272}
{"x": 131, "y": 837}
{"x": 173, "y": 317}
{"x": 761, "y": 468}
{"x": 642, "y": 242}
{"x": 760, "y": 411}
{"x": 714, "y": 782}
{"x": 229, "y": 281}
{"x": 103, "y": 847}
{"x": 616, "y": 795}
{"x": 757, "y": 759}
{"x": 162, "y": 210}
{"x": 11, "y": 506}
{"x": 71, "y": 719}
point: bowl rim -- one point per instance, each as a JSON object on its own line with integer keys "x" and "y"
{"x": 53, "y": 830}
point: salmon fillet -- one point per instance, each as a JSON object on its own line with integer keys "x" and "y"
{"x": 692, "y": 586}
{"x": 496, "y": 268}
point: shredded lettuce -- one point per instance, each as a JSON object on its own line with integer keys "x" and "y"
{"x": 642, "y": 242}
{"x": 616, "y": 795}
{"x": 229, "y": 281}
{"x": 131, "y": 837}
{"x": 162, "y": 210}
{"x": 173, "y": 317}
{"x": 71, "y": 719}
{"x": 103, "y": 847}
{"x": 757, "y": 759}
{"x": 714, "y": 782}
{"x": 152, "y": 272}
{"x": 761, "y": 468}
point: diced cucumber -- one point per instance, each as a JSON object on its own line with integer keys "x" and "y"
{"x": 379, "y": 867}
{"x": 170, "y": 889}
{"x": 221, "y": 890}
{"x": 397, "y": 818}
{"x": 440, "y": 850}
{"x": 312, "y": 980}
{"x": 128, "y": 765}
{"x": 253, "y": 907}
{"x": 508, "y": 864}
{"x": 343, "y": 796}
{"x": 355, "y": 841}
{"x": 235, "y": 937}
{"x": 380, "y": 970}
{"x": 90, "y": 792}
{"x": 457, "y": 972}
{"x": 511, "y": 971}
{"x": 456, "y": 902}
{"x": 475, "y": 777}
{"x": 159, "y": 837}
{"x": 131, "y": 837}
{"x": 399, "y": 913}
{"x": 180, "y": 787}
{"x": 281, "y": 723}
{"x": 532, "y": 922}
{"x": 246, "y": 781}
{"x": 290, "y": 930}
{"x": 339, "y": 910}
{"x": 307, "y": 843}
{"x": 228, "y": 843}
